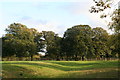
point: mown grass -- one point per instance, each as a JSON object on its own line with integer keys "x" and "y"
{"x": 60, "y": 69}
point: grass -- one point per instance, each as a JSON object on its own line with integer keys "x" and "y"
{"x": 60, "y": 69}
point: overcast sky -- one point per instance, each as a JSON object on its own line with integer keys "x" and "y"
{"x": 48, "y": 15}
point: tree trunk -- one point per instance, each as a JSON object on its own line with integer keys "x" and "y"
{"x": 66, "y": 58}
{"x": 31, "y": 57}
{"x": 83, "y": 58}
{"x": 76, "y": 58}
{"x": 57, "y": 58}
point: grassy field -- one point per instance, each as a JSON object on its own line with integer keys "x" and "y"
{"x": 60, "y": 69}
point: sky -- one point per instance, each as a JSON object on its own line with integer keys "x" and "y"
{"x": 49, "y": 15}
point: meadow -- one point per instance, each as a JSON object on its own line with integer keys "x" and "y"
{"x": 60, "y": 69}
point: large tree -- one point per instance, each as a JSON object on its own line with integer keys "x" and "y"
{"x": 22, "y": 41}
{"x": 78, "y": 42}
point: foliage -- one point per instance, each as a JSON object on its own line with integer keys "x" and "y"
{"x": 114, "y": 24}
{"x": 100, "y": 39}
{"x": 78, "y": 42}
{"x": 100, "y": 5}
{"x": 52, "y": 42}
{"x": 20, "y": 41}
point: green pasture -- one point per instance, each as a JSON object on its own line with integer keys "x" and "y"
{"x": 60, "y": 69}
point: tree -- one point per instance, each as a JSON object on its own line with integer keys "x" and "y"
{"x": 78, "y": 42}
{"x": 22, "y": 41}
{"x": 100, "y": 39}
{"x": 114, "y": 24}
{"x": 113, "y": 44}
{"x": 52, "y": 42}
{"x": 102, "y": 5}
{"x": 38, "y": 43}
{"x": 0, "y": 48}
{"x": 7, "y": 50}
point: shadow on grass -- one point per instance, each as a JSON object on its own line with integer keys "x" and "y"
{"x": 73, "y": 70}
{"x": 13, "y": 71}
{"x": 73, "y": 63}
{"x": 105, "y": 74}
{"x": 84, "y": 63}
{"x": 69, "y": 66}
{"x": 57, "y": 67}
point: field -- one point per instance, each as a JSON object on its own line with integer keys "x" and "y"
{"x": 60, "y": 69}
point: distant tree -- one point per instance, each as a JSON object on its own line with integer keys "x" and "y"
{"x": 38, "y": 40}
{"x": 58, "y": 47}
{"x": 52, "y": 42}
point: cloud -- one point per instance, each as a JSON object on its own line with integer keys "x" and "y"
{"x": 43, "y": 25}
{"x": 78, "y": 8}
{"x": 55, "y": 17}
{"x": 31, "y": 20}
{"x": 82, "y": 9}
{"x": 51, "y": 26}
{"x": 40, "y": 25}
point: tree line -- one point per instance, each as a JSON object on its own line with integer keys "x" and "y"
{"x": 80, "y": 42}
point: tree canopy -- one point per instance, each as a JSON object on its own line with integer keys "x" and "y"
{"x": 80, "y": 42}
{"x": 20, "y": 41}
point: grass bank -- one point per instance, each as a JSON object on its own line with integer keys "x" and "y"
{"x": 60, "y": 69}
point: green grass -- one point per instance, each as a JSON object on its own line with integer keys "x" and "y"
{"x": 60, "y": 69}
